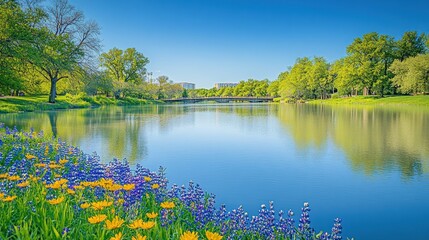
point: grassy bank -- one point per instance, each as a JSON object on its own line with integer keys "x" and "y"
{"x": 421, "y": 100}
{"x": 39, "y": 103}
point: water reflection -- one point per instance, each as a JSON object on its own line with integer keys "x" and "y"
{"x": 373, "y": 138}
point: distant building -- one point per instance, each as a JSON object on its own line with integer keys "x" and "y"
{"x": 221, "y": 85}
{"x": 187, "y": 85}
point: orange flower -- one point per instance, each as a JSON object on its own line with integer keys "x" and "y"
{"x": 189, "y": 236}
{"x": 168, "y": 205}
{"x": 138, "y": 237}
{"x": 115, "y": 223}
{"x": 117, "y": 236}
{"x": 213, "y": 236}
{"x": 129, "y": 187}
{"x": 85, "y": 205}
{"x": 9, "y": 199}
{"x": 97, "y": 218}
{"x": 14, "y": 178}
{"x": 56, "y": 201}
{"x": 152, "y": 215}
{"x": 23, "y": 184}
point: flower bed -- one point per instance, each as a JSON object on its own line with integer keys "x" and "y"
{"x": 50, "y": 190}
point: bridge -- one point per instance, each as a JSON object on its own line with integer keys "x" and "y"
{"x": 219, "y": 99}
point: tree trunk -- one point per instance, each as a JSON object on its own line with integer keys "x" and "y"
{"x": 53, "y": 92}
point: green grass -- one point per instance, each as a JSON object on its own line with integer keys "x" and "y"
{"x": 40, "y": 103}
{"x": 420, "y": 100}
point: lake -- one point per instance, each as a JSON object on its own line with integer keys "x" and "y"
{"x": 366, "y": 165}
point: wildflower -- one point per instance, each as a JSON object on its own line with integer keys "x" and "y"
{"x": 168, "y": 205}
{"x": 113, "y": 187}
{"x": 117, "y": 236}
{"x": 85, "y": 205}
{"x": 70, "y": 191}
{"x": 136, "y": 224}
{"x": 4, "y": 176}
{"x": 9, "y": 199}
{"x": 129, "y": 187}
{"x": 188, "y": 235}
{"x": 34, "y": 179}
{"x": 120, "y": 201}
{"x": 78, "y": 187}
{"x": 101, "y": 204}
{"x": 115, "y": 223}
{"x": 213, "y": 236}
{"x": 147, "y": 179}
{"x": 138, "y": 237}
{"x": 54, "y": 166}
{"x": 23, "y": 184}
{"x": 155, "y": 186}
{"x": 152, "y": 215}
{"x": 97, "y": 219}
{"x": 1, "y": 195}
{"x": 14, "y": 178}
{"x": 63, "y": 161}
{"x": 56, "y": 201}
{"x": 29, "y": 156}
{"x": 40, "y": 165}
{"x": 147, "y": 225}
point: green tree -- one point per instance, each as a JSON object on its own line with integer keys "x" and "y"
{"x": 412, "y": 74}
{"x": 124, "y": 67}
{"x": 65, "y": 45}
{"x": 410, "y": 45}
{"x": 371, "y": 57}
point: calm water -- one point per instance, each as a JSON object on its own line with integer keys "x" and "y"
{"x": 368, "y": 166}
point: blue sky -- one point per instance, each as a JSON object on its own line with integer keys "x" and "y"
{"x": 209, "y": 41}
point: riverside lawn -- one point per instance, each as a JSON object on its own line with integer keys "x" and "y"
{"x": 50, "y": 190}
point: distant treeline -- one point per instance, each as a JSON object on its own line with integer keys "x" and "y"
{"x": 54, "y": 49}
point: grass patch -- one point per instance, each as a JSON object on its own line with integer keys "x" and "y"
{"x": 40, "y": 102}
{"x": 420, "y": 100}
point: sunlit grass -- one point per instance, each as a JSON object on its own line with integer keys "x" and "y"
{"x": 421, "y": 100}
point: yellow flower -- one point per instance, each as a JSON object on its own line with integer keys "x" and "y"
{"x": 85, "y": 205}
{"x": 136, "y": 224}
{"x": 57, "y": 175}
{"x": 23, "y": 184}
{"x": 129, "y": 187}
{"x": 9, "y": 199}
{"x": 40, "y": 165}
{"x": 113, "y": 187}
{"x": 152, "y": 215}
{"x": 4, "y": 176}
{"x": 54, "y": 166}
{"x": 1, "y": 195}
{"x": 155, "y": 186}
{"x": 56, "y": 201}
{"x": 70, "y": 191}
{"x": 168, "y": 205}
{"x": 34, "y": 179}
{"x": 138, "y": 237}
{"x": 120, "y": 201}
{"x": 97, "y": 219}
{"x": 147, "y": 225}
{"x": 14, "y": 178}
{"x": 117, "y": 236}
{"x": 189, "y": 236}
{"x": 213, "y": 236}
{"x": 115, "y": 223}
{"x": 29, "y": 156}
{"x": 100, "y": 205}
{"x": 78, "y": 187}
{"x": 63, "y": 161}
{"x": 147, "y": 179}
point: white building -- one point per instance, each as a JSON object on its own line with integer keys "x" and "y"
{"x": 187, "y": 85}
{"x": 221, "y": 85}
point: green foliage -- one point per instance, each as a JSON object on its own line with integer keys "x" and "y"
{"x": 412, "y": 74}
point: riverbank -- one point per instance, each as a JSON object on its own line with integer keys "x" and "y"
{"x": 420, "y": 100}
{"x": 39, "y": 103}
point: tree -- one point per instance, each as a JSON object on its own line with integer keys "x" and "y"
{"x": 370, "y": 58}
{"x": 17, "y": 31}
{"x": 124, "y": 67}
{"x": 412, "y": 74}
{"x": 411, "y": 45}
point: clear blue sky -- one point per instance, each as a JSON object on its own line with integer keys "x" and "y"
{"x": 209, "y": 41}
